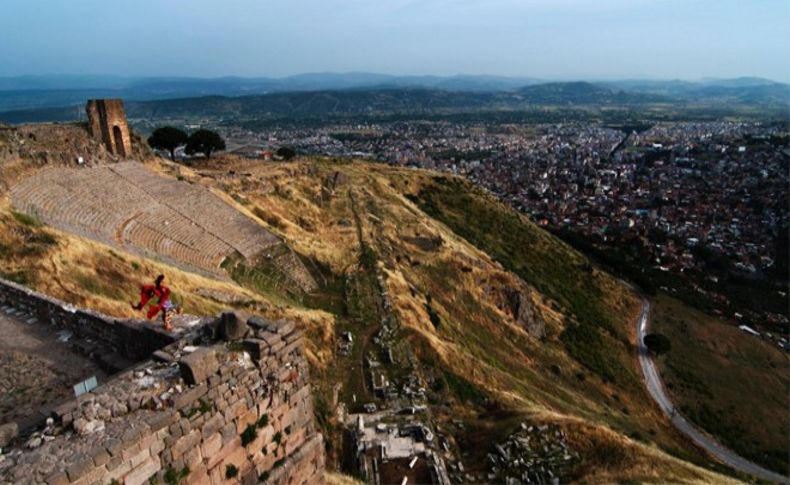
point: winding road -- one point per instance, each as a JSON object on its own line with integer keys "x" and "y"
{"x": 656, "y": 389}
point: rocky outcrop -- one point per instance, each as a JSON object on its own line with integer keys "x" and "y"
{"x": 521, "y": 307}
{"x": 516, "y": 300}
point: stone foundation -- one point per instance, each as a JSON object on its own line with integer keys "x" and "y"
{"x": 201, "y": 410}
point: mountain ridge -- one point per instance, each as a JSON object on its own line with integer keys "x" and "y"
{"x": 26, "y": 92}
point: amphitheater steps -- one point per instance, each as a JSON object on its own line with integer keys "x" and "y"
{"x": 128, "y": 205}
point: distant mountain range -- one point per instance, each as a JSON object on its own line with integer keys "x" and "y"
{"x": 25, "y": 92}
{"x": 26, "y": 99}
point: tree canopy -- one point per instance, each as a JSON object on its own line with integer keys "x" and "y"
{"x": 168, "y": 138}
{"x": 657, "y": 343}
{"x": 205, "y": 142}
{"x": 287, "y": 153}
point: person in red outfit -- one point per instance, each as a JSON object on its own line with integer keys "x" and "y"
{"x": 162, "y": 294}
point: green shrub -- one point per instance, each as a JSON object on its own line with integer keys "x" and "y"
{"x": 231, "y": 471}
{"x": 248, "y": 435}
{"x": 173, "y": 477}
{"x": 26, "y": 219}
{"x": 463, "y": 389}
{"x": 263, "y": 421}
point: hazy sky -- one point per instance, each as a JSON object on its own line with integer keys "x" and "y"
{"x": 558, "y": 39}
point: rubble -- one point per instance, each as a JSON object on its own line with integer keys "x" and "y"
{"x": 532, "y": 454}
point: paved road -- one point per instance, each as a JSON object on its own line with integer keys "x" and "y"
{"x": 656, "y": 389}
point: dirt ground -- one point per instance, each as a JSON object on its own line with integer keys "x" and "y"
{"x": 36, "y": 369}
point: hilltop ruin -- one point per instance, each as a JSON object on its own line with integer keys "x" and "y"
{"x": 107, "y": 123}
{"x": 220, "y": 400}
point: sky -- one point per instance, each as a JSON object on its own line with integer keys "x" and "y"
{"x": 549, "y": 39}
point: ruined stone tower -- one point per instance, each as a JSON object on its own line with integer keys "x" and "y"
{"x": 107, "y": 123}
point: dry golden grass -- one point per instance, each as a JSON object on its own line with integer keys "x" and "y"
{"x": 611, "y": 457}
{"x": 332, "y": 478}
{"x": 477, "y": 338}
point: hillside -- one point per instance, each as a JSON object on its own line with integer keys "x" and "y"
{"x": 726, "y": 381}
{"x": 585, "y": 93}
{"x": 499, "y": 321}
{"x": 308, "y": 100}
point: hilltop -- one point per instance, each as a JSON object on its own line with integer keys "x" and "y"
{"x": 499, "y": 321}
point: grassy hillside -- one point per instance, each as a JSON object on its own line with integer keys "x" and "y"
{"x": 439, "y": 262}
{"x": 731, "y": 384}
{"x": 449, "y": 256}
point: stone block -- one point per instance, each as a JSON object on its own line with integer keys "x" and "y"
{"x": 214, "y": 424}
{"x": 157, "y": 447}
{"x": 276, "y": 347}
{"x": 229, "y": 433}
{"x": 94, "y": 476}
{"x": 193, "y": 457}
{"x": 58, "y": 478}
{"x": 114, "y": 463}
{"x": 117, "y": 472}
{"x": 199, "y": 365}
{"x": 162, "y": 356}
{"x": 258, "y": 323}
{"x": 140, "y": 457}
{"x": 131, "y": 451}
{"x": 199, "y": 476}
{"x": 246, "y": 419}
{"x": 292, "y": 336}
{"x": 81, "y": 465}
{"x": 238, "y": 458}
{"x": 295, "y": 344}
{"x": 294, "y": 440}
{"x": 285, "y": 327}
{"x": 142, "y": 472}
{"x": 185, "y": 443}
{"x": 233, "y": 325}
{"x": 160, "y": 421}
{"x": 226, "y": 450}
{"x": 256, "y": 347}
{"x": 187, "y": 399}
{"x": 212, "y": 445}
{"x": 100, "y": 456}
{"x": 270, "y": 338}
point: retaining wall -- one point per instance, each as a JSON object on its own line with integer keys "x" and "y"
{"x": 228, "y": 403}
{"x": 135, "y": 340}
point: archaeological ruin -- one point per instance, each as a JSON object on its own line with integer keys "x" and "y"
{"x": 129, "y": 206}
{"x": 218, "y": 400}
{"x": 107, "y": 123}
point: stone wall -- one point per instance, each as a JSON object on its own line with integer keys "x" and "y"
{"x": 135, "y": 340}
{"x": 107, "y": 123}
{"x": 229, "y": 402}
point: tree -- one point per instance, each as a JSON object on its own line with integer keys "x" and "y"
{"x": 205, "y": 142}
{"x": 168, "y": 138}
{"x": 287, "y": 153}
{"x": 657, "y": 343}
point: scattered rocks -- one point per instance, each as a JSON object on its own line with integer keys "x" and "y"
{"x": 532, "y": 454}
{"x": 83, "y": 426}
